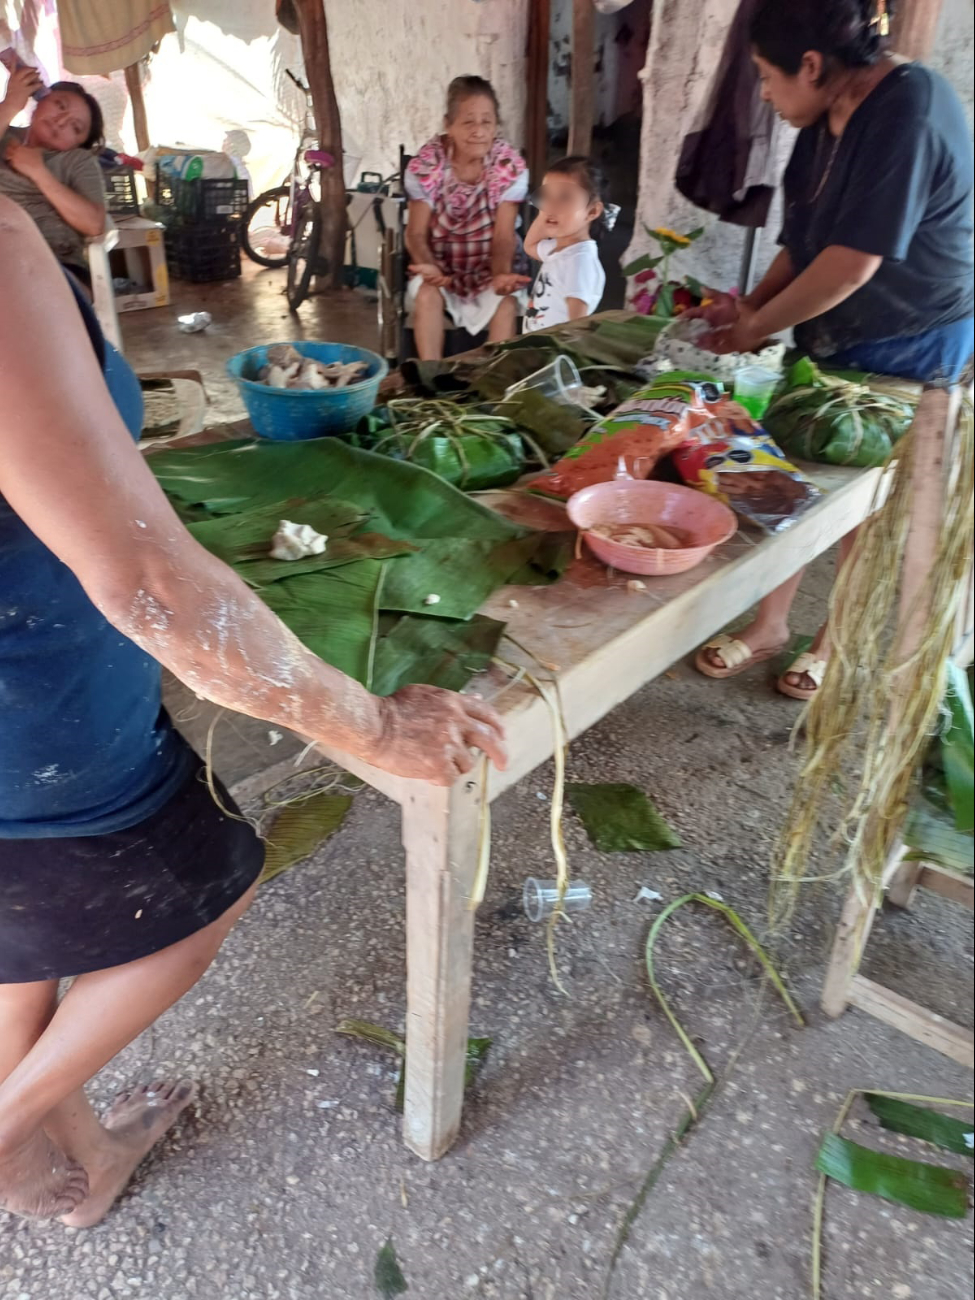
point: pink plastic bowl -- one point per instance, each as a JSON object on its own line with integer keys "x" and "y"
{"x": 631, "y": 501}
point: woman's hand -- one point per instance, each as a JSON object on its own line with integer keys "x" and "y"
{"x": 743, "y": 334}
{"x": 26, "y": 161}
{"x": 509, "y": 283}
{"x": 719, "y": 311}
{"x": 428, "y": 734}
{"x": 431, "y": 273}
{"x": 22, "y": 84}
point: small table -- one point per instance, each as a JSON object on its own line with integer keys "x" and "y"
{"x": 603, "y": 644}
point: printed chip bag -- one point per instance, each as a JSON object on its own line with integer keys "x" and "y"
{"x": 641, "y": 430}
{"x": 732, "y": 458}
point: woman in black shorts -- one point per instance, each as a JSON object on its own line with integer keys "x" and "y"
{"x": 116, "y": 866}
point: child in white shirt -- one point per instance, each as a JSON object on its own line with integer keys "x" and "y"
{"x": 571, "y": 210}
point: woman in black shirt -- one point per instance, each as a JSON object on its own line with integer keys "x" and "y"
{"x": 875, "y": 268}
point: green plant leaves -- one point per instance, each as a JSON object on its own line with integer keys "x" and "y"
{"x": 387, "y": 1274}
{"x": 645, "y": 263}
{"x": 619, "y": 818}
{"x": 957, "y": 748}
{"x": 942, "y": 1131}
{"x": 299, "y": 828}
{"x": 928, "y": 1188}
{"x": 477, "y": 1050}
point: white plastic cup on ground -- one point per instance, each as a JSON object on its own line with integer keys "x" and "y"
{"x": 541, "y": 897}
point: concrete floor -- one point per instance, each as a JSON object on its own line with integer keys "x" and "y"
{"x": 289, "y": 1175}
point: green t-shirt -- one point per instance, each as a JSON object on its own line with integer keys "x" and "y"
{"x": 76, "y": 168}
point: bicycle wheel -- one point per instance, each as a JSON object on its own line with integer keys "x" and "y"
{"x": 265, "y": 234}
{"x": 304, "y": 260}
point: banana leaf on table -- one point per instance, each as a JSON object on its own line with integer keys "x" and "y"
{"x": 836, "y": 418}
{"x": 416, "y": 537}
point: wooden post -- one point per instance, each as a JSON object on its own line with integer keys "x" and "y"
{"x": 536, "y": 117}
{"x": 440, "y": 837}
{"x": 914, "y": 26}
{"x": 313, "y": 28}
{"x": 583, "y": 94}
{"x": 140, "y": 124}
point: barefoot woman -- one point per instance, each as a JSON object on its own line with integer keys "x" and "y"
{"x": 875, "y": 269}
{"x": 116, "y": 866}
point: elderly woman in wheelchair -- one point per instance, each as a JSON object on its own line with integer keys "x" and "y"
{"x": 465, "y": 188}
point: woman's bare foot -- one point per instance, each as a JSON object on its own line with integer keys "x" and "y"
{"x": 132, "y": 1126}
{"x": 803, "y": 681}
{"x": 38, "y": 1180}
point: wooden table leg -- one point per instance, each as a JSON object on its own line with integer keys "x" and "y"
{"x": 440, "y": 836}
{"x": 854, "y": 926}
{"x": 903, "y": 883}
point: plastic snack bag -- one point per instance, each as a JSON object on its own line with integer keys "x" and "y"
{"x": 732, "y": 458}
{"x": 640, "y": 431}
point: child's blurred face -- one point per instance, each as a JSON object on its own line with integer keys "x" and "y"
{"x": 474, "y": 126}
{"x": 565, "y": 205}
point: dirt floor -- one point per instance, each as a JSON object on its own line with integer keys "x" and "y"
{"x": 287, "y": 1178}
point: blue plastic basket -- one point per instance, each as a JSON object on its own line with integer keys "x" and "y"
{"x": 292, "y": 415}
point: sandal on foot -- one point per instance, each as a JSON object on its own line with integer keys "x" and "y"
{"x": 738, "y": 657}
{"x": 808, "y": 665}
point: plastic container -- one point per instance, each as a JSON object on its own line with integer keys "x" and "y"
{"x": 754, "y": 388}
{"x": 121, "y": 195}
{"x": 203, "y": 253}
{"x": 202, "y": 202}
{"x": 292, "y": 415}
{"x": 559, "y": 381}
{"x": 541, "y": 896}
{"x": 629, "y": 501}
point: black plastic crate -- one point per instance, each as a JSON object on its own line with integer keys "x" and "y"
{"x": 202, "y": 201}
{"x": 121, "y": 196}
{"x": 203, "y": 253}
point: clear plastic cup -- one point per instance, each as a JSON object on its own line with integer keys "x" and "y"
{"x": 754, "y": 386}
{"x": 559, "y": 381}
{"x": 541, "y": 896}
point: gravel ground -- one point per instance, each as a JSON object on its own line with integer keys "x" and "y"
{"x": 287, "y": 1177}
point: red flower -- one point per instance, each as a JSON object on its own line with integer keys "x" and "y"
{"x": 643, "y": 302}
{"x": 683, "y": 298}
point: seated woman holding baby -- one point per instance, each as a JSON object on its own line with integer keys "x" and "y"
{"x": 465, "y": 187}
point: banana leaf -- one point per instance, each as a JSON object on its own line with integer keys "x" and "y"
{"x": 335, "y": 613}
{"x": 401, "y": 500}
{"x": 958, "y": 747}
{"x": 825, "y": 417}
{"x": 554, "y": 426}
{"x": 299, "y": 829}
{"x": 432, "y": 651}
{"x": 931, "y": 1189}
{"x": 462, "y": 571}
{"x": 619, "y": 818}
{"x": 448, "y": 544}
{"x": 942, "y": 1131}
{"x": 387, "y": 1274}
{"x": 471, "y": 461}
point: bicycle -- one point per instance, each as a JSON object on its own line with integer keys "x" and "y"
{"x": 282, "y": 226}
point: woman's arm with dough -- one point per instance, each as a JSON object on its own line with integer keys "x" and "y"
{"x": 76, "y": 479}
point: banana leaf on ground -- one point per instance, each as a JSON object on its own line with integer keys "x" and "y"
{"x": 401, "y": 535}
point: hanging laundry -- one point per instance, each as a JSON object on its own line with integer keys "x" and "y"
{"x": 106, "y": 37}
{"x": 727, "y": 164}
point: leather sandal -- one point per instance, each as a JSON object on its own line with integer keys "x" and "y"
{"x": 738, "y": 657}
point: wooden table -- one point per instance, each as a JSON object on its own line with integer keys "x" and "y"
{"x": 603, "y": 643}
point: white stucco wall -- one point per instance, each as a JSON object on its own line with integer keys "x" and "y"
{"x": 391, "y": 61}
{"x": 686, "y": 40}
